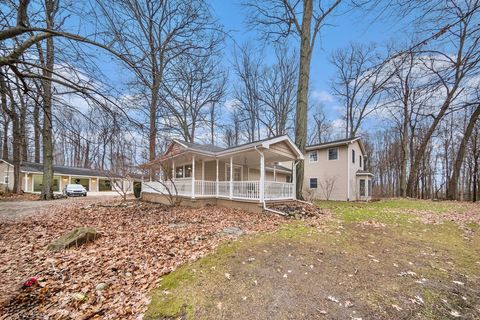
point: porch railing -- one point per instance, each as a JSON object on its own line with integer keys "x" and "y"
{"x": 246, "y": 190}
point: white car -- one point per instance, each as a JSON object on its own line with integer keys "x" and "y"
{"x": 75, "y": 190}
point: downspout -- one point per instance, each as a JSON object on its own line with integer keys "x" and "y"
{"x": 348, "y": 172}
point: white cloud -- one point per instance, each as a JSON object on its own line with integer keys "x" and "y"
{"x": 322, "y": 96}
{"x": 231, "y": 104}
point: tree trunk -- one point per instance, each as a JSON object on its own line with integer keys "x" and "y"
{"x": 302, "y": 91}
{"x": 23, "y": 126}
{"x": 47, "y": 148}
{"x": 452, "y": 190}
{"x": 36, "y": 133}
{"x": 16, "y": 141}
{"x": 5, "y": 137}
{"x": 405, "y": 151}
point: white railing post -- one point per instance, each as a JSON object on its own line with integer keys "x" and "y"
{"x": 262, "y": 177}
{"x": 216, "y": 179}
{"x": 231, "y": 178}
{"x": 203, "y": 177}
{"x": 193, "y": 176}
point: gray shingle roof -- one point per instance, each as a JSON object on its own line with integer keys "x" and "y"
{"x": 73, "y": 171}
{"x": 204, "y": 147}
{"x": 331, "y": 142}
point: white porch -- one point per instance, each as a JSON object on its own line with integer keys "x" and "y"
{"x": 251, "y": 172}
{"x": 235, "y": 190}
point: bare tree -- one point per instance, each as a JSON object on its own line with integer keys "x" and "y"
{"x": 327, "y": 185}
{"x": 360, "y": 82}
{"x": 195, "y": 86}
{"x": 158, "y": 33}
{"x": 303, "y": 20}
{"x": 450, "y": 71}
{"x": 322, "y": 127}
{"x": 277, "y": 92}
{"x": 248, "y": 69}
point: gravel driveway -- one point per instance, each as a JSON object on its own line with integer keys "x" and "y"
{"x": 20, "y": 209}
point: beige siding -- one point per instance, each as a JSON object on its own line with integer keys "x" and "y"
{"x": 283, "y": 148}
{"x": 327, "y": 170}
{"x": 341, "y": 171}
{"x": 6, "y": 170}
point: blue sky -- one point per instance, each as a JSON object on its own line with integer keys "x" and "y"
{"x": 343, "y": 30}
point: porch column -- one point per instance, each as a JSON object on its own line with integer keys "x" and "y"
{"x": 173, "y": 170}
{"x": 231, "y": 178}
{"x": 294, "y": 179}
{"x": 193, "y": 176}
{"x": 26, "y": 182}
{"x": 203, "y": 177}
{"x": 216, "y": 178}
{"x": 262, "y": 178}
{"x": 274, "y": 173}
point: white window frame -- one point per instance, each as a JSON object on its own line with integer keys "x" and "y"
{"x": 183, "y": 166}
{"x": 5, "y": 179}
{"x": 227, "y": 170}
{"x": 328, "y": 154}
{"x": 310, "y": 183}
{"x": 310, "y": 156}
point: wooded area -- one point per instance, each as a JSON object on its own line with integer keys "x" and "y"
{"x": 416, "y": 103}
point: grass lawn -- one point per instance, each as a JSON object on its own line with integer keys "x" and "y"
{"x": 392, "y": 259}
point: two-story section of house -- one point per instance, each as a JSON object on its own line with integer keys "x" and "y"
{"x": 335, "y": 170}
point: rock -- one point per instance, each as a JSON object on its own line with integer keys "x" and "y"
{"x": 177, "y": 225}
{"x": 348, "y": 304}
{"x": 76, "y": 237}
{"x": 233, "y": 230}
{"x": 79, "y": 296}
{"x": 101, "y": 286}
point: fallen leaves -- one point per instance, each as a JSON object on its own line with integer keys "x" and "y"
{"x": 112, "y": 276}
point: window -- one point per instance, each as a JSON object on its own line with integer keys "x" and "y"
{"x": 360, "y": 158}
{"x": 369, "y": 188}
{"x": 237, "y": 173}
{"x": 5, "y": 180}
{"x": 313, "y": 156}
{"x": 353, "y": 156}
{"x": 188, "y": 171}
{"x": 104, "y": 185}
{"x": 333, "y": 154}
{"x": 313, "y": 183}
{"x": 38, "y": 183}
{"x": 85, "y": 182}
{"x": 179, "y": 172}
{"x": 288, "y": 179}
{"x": 184, "y": 171}
{"x": 362, "y": 187}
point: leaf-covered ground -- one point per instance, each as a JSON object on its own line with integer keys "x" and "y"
{"x": 139, "y": 243}
{"x": 393, "y": 259}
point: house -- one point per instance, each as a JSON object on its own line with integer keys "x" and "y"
{"x": 336, "y": 170}
{"x": 248, "y": 176}
{"x": 32, "y": 177}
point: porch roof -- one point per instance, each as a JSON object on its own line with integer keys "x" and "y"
{"x": 213, "y": 151}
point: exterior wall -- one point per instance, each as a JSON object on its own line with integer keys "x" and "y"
{"x": 342, "y": 171}
{"x": 283, "y": 148}
{"x": 196, "y": 203}
{"x": 354, "y": 167}
{"x": 6, "y": 170}
{"x": 254, "y": 174}
{"x": 323, "y": 170}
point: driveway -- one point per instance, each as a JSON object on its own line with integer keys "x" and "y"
{"x": 21, "y": 209}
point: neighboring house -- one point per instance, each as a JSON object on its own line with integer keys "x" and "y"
{"x": 243, "y": 176}
{"x": 335, "y": 170}
{"x": 32, "y": 178}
